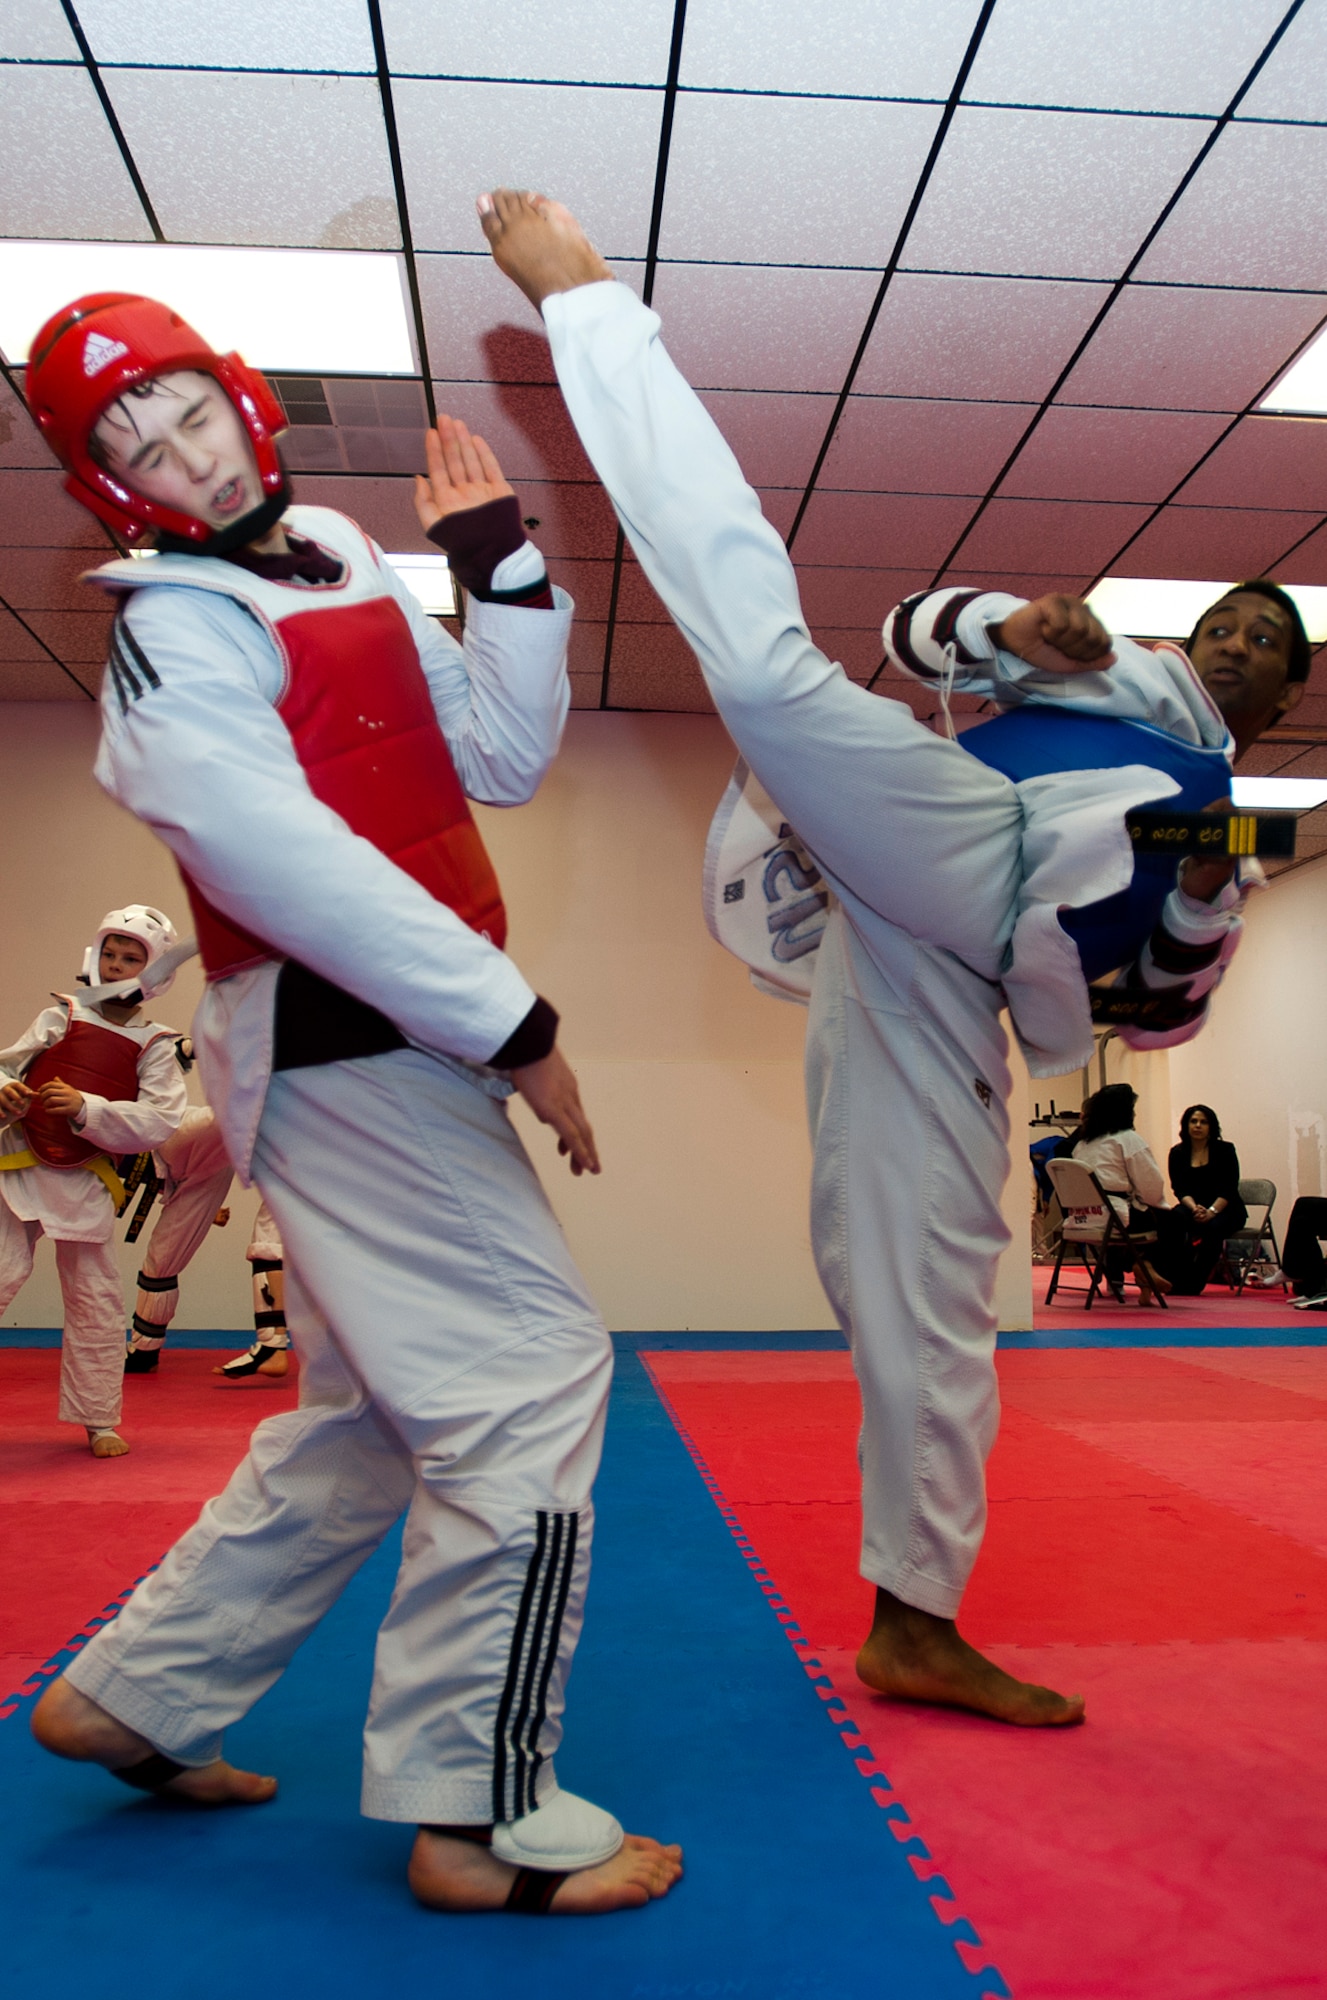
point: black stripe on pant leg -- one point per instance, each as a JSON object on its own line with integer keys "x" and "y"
{"x": 534, "y": 1658}
{"x": 514, "y": 1669}
{"x": 551, "y": 1654}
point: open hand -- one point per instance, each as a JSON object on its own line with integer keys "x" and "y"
{"x": 549, "y": 1088}
{"x": 1057, "y": 634}
{"x": 61, "y": 1098}
{"x": 462, "y": 473}
{"x": 14, "y": 1099}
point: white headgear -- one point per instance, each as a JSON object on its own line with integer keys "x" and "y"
{"x": 154, "y": 931}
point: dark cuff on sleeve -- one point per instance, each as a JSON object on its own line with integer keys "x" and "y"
{"x": 476, "y": 540}
{"x": 531, "y": 1041}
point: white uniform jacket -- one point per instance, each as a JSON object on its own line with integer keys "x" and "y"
{"x": 192, "y": 743}
{"x": 70, "y": 1203}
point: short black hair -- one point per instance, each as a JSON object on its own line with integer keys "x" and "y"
{"x": 1108, "y": 1110}
{"x": 1301, "y": 652}
{"x": 1208, "y": 1114}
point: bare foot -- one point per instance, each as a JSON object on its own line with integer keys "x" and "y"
{"x": 67, "y": 1723}
{"x": 538, "y": 243}
{"x": 914, "y": 1656}
{"x": 447, "y": 1874}
{"x": 105, "y": 1442}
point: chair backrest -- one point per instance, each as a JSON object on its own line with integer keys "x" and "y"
{"x": 1258, "y": 1191}
{"x": 1087, "y": 1213}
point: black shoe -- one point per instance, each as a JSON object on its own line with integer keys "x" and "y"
{"x": 142, "y": 1360}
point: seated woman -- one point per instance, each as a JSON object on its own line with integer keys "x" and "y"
{"x": 1122, "y": 1161}
{"x": 1204, "y": 1174}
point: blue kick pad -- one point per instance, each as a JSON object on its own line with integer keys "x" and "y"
{"x": 691, "y": 1718}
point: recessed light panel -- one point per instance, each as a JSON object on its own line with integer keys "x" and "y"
{"x": 1303, "y": 388}
{"x": 1150, "y": 607}
{"x": 430, "y": 580}
{"x": 1279, "y": 794}
{"x": 322, "y": 312}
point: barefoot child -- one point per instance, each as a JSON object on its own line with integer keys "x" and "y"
{"x": 304, "y": 739}
{"x": 90, "y": 1079}
{"x": 948, "y": 876}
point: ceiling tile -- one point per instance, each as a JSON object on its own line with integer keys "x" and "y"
{"x": 779, "y": 505}
{"x": 1195, "y": 350}
{"x": 922, "y": 447}
{"x": 594, "y": 149}
{"x": 60, "y": 169}
{"x": 16, "y": 642}
{"x": 855, "y": 597}
{"x": 901, "y": 529}
{"x": 479, "y": 327}
{"x": 585, "y": 648}
{"x": 574, "y": 520}
{"x": 730, "y": 328}
{"x": 585, "y": 690}
{"x": 382, "y": 507}
{"x": 20, "y": 440}
{"x": 637, "y": 603}
{"x": 1308, "y": 564}
{"x": 578, "y": 41}
{"x": 912, "y": 48}
{"x": 774, "y": 438}
{"x": 589, "y": 584}
{"x": 36, "y": 511}
{"x": 242, "y": 34}
{"x": 1017, "y": 583}
{"x": 527, "y": 427}
{"x": 653, "y": 667}
{"x": 847, "y": 171}
{"x": 1265, "y": 462}
{"x": 857, "y": 649}
{"x": 261, "y": 159}
{"x": 1252, "y": 215}
{"x": 1041, "y": 535}
{"x": 1121, "y": 55}
{"x": 44, "y": 579}
{"x": 996, "y": 337}
{"x": 1212, "y": 541}
{"x": 1048, "y": 193}
{"x": 1077, "y": 454}
{"x": 44, "y": 681}
{"x": 36, "y": 31}
{"x": 78, "y": 637}
{"x": 1294, "y": 82}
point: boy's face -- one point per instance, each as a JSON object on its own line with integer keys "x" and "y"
{"x": 179, "y": 440}
{"x": 121, "y": 958}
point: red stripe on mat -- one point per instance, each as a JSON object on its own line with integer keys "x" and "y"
{"x": 1156, "y": 1541}
{"x": 75, "y": 1530}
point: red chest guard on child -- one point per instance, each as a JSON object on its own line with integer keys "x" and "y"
{"x": 360, "y": 716}
{"x": 91, "y": 1059}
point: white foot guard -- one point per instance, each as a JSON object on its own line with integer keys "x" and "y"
{"x": 565, "y": 1835}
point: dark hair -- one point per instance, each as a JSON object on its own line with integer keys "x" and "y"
{"x": 1208, "y": 1114}
{"x": 1301, "y": 652}
{"x": 1109, "y": 1109}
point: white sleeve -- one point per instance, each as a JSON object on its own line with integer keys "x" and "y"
{"x": 123, "y": 1127}
{"x": 201, "y": 755}
{"x": 501, "y": 699}
{"x": 47, "y": 1029}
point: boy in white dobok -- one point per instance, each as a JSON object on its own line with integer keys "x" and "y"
{"x": 305, "y": 740}
{"x": 949, "y": 870}
{"x": 88, "y": 1081}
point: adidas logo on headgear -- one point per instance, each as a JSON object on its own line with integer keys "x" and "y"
{"x": 99, "y": 351}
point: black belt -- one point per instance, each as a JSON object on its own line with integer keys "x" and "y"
{"x": 317, "y": 1023}
{"x": 1217, "y": 835}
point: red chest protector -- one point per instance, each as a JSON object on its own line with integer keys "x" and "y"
{"x": 89, "y": 1058}
{"x": 360, "y": 716}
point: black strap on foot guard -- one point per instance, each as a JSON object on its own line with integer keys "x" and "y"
{"x": 151, "y": 1774}
{"x": 532, "y": 1893}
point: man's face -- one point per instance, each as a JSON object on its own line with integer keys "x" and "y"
{"x": 179, "y": 440}
{"x": 1241, "y": 654}
{"x": 122, "y": 957}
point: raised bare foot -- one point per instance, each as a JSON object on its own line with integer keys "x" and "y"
{"x": 69, "y": 1724}
{"x": 450, "y": 1874}
{"x": 104, "y": 1441}
{"x": 914, "y": 1656}
{"x": 538, "y": 243}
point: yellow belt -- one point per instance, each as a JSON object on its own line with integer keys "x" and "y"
{"x": 99, "y": 1165}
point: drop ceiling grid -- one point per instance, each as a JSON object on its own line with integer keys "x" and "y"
{"x": 1035, "y": 204}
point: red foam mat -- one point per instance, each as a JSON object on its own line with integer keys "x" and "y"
{"x": 75, "y": 1530}
{"x": 1158, "y": 1540}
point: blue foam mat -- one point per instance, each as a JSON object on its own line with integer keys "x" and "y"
{"x": 691, "y": 1718}
{"x": 1309, "y": 1331}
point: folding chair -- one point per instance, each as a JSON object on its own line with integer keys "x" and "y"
{"x": 1244, "y": 1248}
{"x": 1091, "y": 1224}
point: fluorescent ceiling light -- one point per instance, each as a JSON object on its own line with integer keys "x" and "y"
{"x": 1279, "y": 794}
{"x": 430, "y": 580}
{"x": 1303, "y": 387}
{"x": 315, "y": 312}
{"x": 1148, "y": 607}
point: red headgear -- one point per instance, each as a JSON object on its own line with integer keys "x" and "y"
{"x": 89, "y": 354}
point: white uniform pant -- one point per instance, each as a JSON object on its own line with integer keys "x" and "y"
{"x": 454, "y": 1365}
{"x": 92, "y": 1346}
{"x": 906, "y": 1087}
